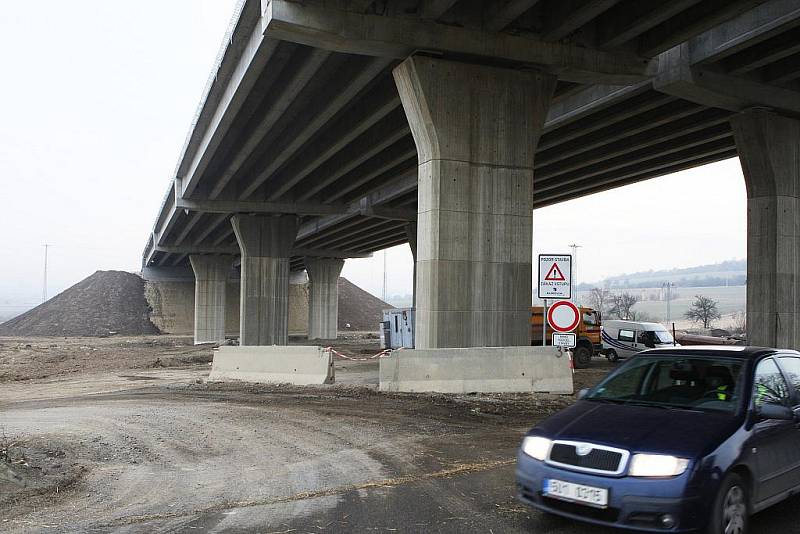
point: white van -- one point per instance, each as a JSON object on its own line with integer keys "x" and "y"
{"x": 622, "y": 339}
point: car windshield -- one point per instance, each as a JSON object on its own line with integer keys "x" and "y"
{"x": 662, "y": 336}
{"x": 674, "y": 382}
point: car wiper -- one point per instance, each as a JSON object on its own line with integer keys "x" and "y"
{"x": 665, "y": 406}
{"x": 648, "y": 404}
{"x": 607, "y": 401}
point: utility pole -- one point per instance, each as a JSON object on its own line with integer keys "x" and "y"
{"x": 574, "y": 277}
{"x": 667, "y": 286}
{"x": 44, "y": 283}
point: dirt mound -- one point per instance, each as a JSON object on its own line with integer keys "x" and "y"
{"x": 106, "y": 302}
{"x": 361, "y": 310}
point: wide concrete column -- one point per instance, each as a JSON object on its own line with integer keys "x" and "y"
{"x": 769, "y": 151}
{"x": 476, "y": 129}
{"x": 210, "y": 278}
{"x": 323, "y": 296}
{"x": 266, "y": 245}
{"x": 411, "y": 234}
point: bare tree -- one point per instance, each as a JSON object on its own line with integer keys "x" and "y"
{"x": 739, "y": 325}
{"x": 598, "y": 298}
{"x": 641, "y": 316}
{"x": 704, "y": 310}
{"x": 622, "y": 304}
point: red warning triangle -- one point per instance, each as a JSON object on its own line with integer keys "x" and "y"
{"x": 555, "y": 274}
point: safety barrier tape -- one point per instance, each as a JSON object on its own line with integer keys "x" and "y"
{"x": 382, "y": 354}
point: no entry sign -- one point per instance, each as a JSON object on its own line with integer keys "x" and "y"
{"x": 563, "y": 316}
{"x": 555, "y": 276}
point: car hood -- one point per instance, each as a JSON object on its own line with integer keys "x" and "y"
{"x": 685, "y": 433}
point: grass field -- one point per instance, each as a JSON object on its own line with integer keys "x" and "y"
{"x": 730, "y": 300}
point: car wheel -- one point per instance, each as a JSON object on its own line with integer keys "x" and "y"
{"x": 582, "y": 356}
{"x": 731, "y": 514}
{"x": 612, "y": 356}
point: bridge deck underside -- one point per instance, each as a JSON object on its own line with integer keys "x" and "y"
{"x": 325, "y": 127}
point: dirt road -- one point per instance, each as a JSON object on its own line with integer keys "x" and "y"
{"x": 177, "y": 454}
{"x": 159, "y": 450}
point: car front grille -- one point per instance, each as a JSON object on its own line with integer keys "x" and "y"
{"x": 588, "y": 457}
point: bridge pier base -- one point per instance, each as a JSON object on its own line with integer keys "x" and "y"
{"x": 769, "y": 151}
{"x": 323, "y": 296}
{"x": 476, "y": 129}
{"x": 210, "y": 279}
{"x": 266, "y": 244}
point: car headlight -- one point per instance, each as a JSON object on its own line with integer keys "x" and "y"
{"x": 536, "y": 447}
{"x": 657, "y": 465}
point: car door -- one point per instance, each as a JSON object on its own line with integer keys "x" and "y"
{"x": 774, "y": 442}
{"x": 790, "y": 365}
{"x": 627, "y": 340}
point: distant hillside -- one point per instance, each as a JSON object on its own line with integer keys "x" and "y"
{"x": 727, "y": 273}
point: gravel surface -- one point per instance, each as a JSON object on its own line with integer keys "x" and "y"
{"x": 25, "y": 358}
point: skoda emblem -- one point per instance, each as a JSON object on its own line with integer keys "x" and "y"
{"x": 583, "y": 450}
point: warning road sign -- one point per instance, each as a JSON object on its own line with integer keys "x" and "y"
{"x": 555, "y": 274}
{"x": 563, "y": 316}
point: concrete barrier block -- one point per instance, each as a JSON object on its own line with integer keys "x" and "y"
{"x": 300, "y": 365}
{"x": 477, "y": 369}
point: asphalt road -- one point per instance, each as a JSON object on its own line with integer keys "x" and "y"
{"x": 160, "y": 453}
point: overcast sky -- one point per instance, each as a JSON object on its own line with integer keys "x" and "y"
{"x": 96, "y": 103}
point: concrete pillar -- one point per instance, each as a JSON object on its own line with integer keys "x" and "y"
{"x": 769, "y": 151}
{"x": 411, "y": 233}
{"x": 476, "y": 129}
{"x": 210, "y": 278}
{"x": 266, "y": 245}
{"x": 323, "y": 296}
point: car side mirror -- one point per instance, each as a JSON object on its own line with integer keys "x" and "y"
{"x": 582, "y": 393}
{"x": 770, "y": 410}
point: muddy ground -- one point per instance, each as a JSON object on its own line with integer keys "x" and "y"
{"x": 131, "y": 446}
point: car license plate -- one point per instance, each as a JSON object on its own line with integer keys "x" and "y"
{"x": 568, "y": 491}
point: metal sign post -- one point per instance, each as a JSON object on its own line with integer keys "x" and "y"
{"x": 544, "y": 325}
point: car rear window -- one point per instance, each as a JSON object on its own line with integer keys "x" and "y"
{"x": 674, "y": 382}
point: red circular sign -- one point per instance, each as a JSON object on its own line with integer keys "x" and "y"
{"x": 563, "y": 316}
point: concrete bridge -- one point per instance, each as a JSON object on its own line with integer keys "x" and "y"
{"x": 332, "y": 129}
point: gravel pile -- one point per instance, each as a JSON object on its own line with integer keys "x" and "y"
{"x": 360, "y": 310}
{"x": 106, "y": 303}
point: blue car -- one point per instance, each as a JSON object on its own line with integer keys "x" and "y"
{"x": 675, "y": 440}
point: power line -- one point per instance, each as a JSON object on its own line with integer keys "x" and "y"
{"x": 44, "y": 284}
{"x": 383, "y": 295}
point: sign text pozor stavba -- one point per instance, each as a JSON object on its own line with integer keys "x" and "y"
{"x": 555, "y": 276}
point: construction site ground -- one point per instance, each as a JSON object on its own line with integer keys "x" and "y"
{"x": 124, "y": 434}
